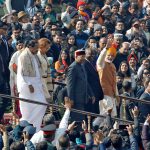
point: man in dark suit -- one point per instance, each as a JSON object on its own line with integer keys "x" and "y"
{"x": 4, "y": 50}
{"x": 2, "y": 87}
{"x": 4, "y": 71}
{"x": 93, "y": 80}
{"x": 77, "y": 85}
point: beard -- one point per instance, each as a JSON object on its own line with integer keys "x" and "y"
{"x": 109, "y": 61}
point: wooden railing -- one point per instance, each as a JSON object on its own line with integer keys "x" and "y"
{"x": 89, "y": 114}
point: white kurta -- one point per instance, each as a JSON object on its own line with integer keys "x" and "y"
{"x": 106, "y": 104}
{"x": 33, "y": 113}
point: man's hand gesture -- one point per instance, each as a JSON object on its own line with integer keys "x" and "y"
{"x": 109, "y": 44}
{"x": 2, "y": 128}
{"x": 68, "y": 103}
{"x": 72, "y": 126}
{"x": 148, "y": 118}
{"x": 129, "y": 129}
{"x": 84, "y": 126}
{"x": 135, "y": 111}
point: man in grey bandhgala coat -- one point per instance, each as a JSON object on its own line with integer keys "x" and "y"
{"x": 78, "y": 88}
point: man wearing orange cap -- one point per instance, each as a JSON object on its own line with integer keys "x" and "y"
{"x": 107, "y": 75}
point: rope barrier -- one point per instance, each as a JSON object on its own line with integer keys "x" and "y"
{"x": 62, "y": 107}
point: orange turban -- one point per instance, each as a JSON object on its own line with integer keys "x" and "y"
{"x": 112, "y": 51}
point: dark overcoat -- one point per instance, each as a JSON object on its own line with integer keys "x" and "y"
{"x": 77, "y": 87}
{"x": 94, "y": 82}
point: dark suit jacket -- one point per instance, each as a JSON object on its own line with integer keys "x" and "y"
{"x": 77, "y": 86}
{"x": 54, "y": 51}
{"x": 5, "y": 53}
{"x": 78, "y": 89}
{"x": 18, "y": 5}
{"x": 2, "y": 82}
{"x": 93, "y": 80}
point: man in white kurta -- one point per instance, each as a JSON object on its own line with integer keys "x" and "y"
{"x": 29, "y": 85}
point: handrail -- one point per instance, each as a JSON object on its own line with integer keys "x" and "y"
{"x": 59, "y": 83}
{"x": 135, "y": 99}
{"x": 129, "y": 98}
{"x": 58, "y": 106}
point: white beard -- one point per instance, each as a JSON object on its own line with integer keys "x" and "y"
{"x": 108, "y": 60}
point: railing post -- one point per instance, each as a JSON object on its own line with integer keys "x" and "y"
{"x": 124, "y": 109}
{"x": 14, "y": 110}
{"x": 89, "y": 123}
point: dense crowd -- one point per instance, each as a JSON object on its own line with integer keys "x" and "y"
{"x": 82, "y": 54}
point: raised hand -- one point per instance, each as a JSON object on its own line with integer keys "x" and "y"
{"x": 68, "y": 103}
{"x": 84, "y": 126}
{"x": 129, "y": 129}
{"x": 135, "y": 111}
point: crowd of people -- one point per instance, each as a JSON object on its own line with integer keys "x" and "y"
{"x": 95, "y": 50}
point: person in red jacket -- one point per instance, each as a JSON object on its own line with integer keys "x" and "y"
{"x": 81, "y": 10}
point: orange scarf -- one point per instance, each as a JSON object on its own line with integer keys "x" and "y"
{"x": 82, "y": 13}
